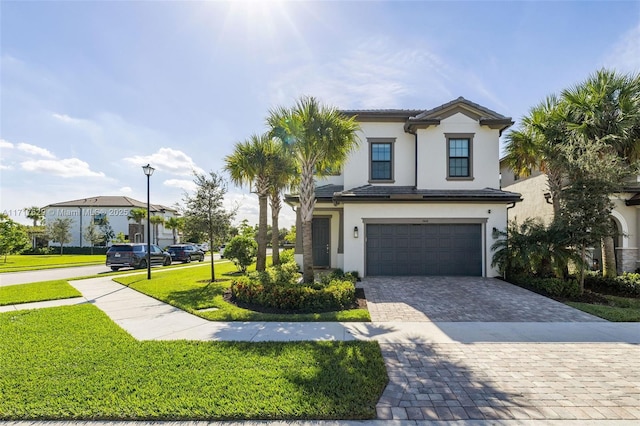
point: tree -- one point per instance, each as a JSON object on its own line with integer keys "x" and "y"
{"x": 60, "y": 231}
{"x": 13, "y": 236}
{"x": 93, "y": 235}
{"x": 137, "y": 215}
{"x": 107, "y": 231}
{"x": 320, "y": 138}
{"x": 241, "y": 250}
{"x": 594, "y": 172}
{"x": 156, "y": 221}
{"x": 37, "y": 215}
{"x": 291, "y": 235}
{"x": 534, "y": 146}
{"x": 606, "y": 108}
{"x": 283, "y": 174}
{"x": 175, "y": 224}
{"x": 249, "y": 165}
{"x": 205, "y": 211}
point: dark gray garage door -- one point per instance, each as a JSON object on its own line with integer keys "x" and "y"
{"x": 421, "y": 249}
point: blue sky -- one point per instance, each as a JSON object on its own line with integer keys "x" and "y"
{"x": 91, "y": 91}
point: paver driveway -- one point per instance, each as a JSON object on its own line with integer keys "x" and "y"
{"x": 461, "y": 299}
{"x": 498, "y": 380}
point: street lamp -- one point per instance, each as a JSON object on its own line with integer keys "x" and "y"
{"x": 148, "y": 170}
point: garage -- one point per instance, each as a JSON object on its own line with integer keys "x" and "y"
{"x": 424, "y": 249}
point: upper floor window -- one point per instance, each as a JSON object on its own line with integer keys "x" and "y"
{"x": 381, "y": 159}
{"x": 459, "y": 156}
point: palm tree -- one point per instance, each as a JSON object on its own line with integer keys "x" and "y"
{"x": 175, "y": 224}
{"x": 535, "y": 145}
{"x": 283, "y": 174}
{"x": 156, "y": 221}
{"x": 606, "y": 108}
{"x": 137, "y": 215}
{"x": 320, "y": 138}
{"x": 36, "y": 214}
{"x": 249, "y": 164}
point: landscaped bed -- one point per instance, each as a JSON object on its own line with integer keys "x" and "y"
{"x": 191, "y": 290}
{"x": 75, "y": 363}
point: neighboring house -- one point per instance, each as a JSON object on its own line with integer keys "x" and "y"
{"x": 420, "y": 196}
{"x": 625, "y": 215}
{"x": 116, "y": 210}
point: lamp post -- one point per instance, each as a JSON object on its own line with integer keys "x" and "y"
{"x": 148, "y": 170}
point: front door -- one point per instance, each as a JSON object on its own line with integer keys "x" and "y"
{"x": 320, "y": 236}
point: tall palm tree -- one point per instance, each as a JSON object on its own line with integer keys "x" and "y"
{"x": 137, "y": 215}
{"x": 249, "y": 164}
{"x": 283, "y": 174}
{"x": 174, "y": 224}
{"x": 37, "y": 215}
{"x": 606, "y": 108}
{"x": 156, "y": 221}
{"x": 320, "y": 138}
{"x": 535, "y": 145}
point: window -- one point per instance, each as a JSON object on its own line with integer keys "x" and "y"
{"x": 381, "y": 156}
{"x": 459, "y": 150}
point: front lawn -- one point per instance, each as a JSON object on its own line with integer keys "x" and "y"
{"x": 190, "y": 290}
{"x": 618, "y": 309}
{"x": 31, "y": 262}
{"x": 36, "y": 292}
{"x": 74, "y": 363}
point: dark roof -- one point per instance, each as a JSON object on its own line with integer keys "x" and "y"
{"x": 407, "y": 193}
{"x": 420, "y": 118}
{"x": 111, "y": 201}
{"x": 370, "y": 193}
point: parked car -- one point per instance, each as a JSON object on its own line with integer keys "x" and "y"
{"x": 185, "y": 253}
{"x": 203, "y": 246}
{"x": 222, "y": 251}
{"x": 134, "y": 255}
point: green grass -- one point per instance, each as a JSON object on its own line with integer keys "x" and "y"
{"x": 16, "y": 263}
{"x": 620, "y": 309}
{"x": 190, "y": 290}
{"x": 36, "y": 292}
{"x": 74, "y": 363}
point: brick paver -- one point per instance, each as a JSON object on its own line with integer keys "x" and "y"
{"x": 511, "y": 381}
{"x": 414, "y": 299}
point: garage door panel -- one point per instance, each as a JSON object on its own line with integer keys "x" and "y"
{"x": 424, "y": 249}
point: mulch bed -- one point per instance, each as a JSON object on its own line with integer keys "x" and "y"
{"x": 360, "y": 303}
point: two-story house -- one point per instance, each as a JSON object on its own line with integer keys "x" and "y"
{"x": 420, "y": 196}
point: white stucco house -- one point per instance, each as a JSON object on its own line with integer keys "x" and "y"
{"x": 625, "y": 215}
{"x": 116, "y": 210}
{"x": 420, "y": 196}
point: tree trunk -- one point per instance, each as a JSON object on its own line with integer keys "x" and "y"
{"x": 609, "y": 267}
{"x": 261, "y": 259}
{"x": 307, "y": 202}
{"x": 275, "y": 231}
{"x": 213, "y": 271}
{"x": 554, "y": 180}
{"x": 583, "y": 254}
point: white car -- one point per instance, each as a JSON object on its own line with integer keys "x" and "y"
{"x": 222, "y": 251}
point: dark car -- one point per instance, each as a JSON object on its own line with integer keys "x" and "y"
{"x": 185, "y": 253}
{"x": 135, "y": 256}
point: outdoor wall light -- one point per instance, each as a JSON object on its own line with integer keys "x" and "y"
{"x": 355, "y": 232}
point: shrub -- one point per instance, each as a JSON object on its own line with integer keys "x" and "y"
{"x": 279, "y": 287}
{"x": 287, "y": 256}
{"x": 626, "y": 284}
{"x": 241, "y": 250}
{"x": 555, "y": 287}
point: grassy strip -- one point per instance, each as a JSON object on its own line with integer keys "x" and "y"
{"x": 620, "y": 309}
{"x": 36, "y": 292}
{"x": 75, "y": 363}
{"x": 190, "y": 290}
{"x": 17, "y": 263}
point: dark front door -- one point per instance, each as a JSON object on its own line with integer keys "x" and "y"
{"x": 320, "y": 235}
{"x": 424, "y": 249}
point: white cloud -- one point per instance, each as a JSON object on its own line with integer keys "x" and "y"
{"x": 5, "y": 167}
{"x": 67, "y": 119}
{"x": 126, "y": 190}
{"x": 35, "y": 150}
{"x": 168, "y": 160}
{"x": 67, "y": 168}
{"x": 5, "y": 144}
{"x": 625, "y": 53}
{"x": 187, "y": 185}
